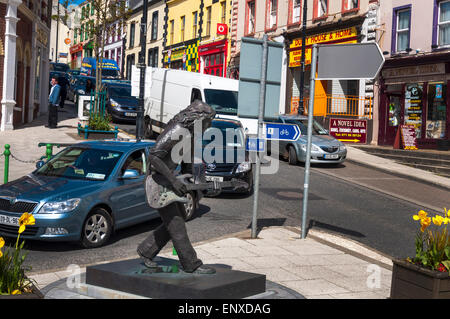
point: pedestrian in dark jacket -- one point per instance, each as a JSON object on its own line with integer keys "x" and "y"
{"x": 63, "y": 83}
{"x": 53, "y": 103}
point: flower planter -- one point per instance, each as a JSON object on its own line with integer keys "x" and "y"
{"x": 35, "y": 294}
{"x": 96, "y": 134}
{"x": 410, "y": 281}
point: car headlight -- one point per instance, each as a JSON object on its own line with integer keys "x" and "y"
{"x": 59, "y": 207}
{"x": 80, "y": 91}
{"x": 314, "y": 148}
{"x": 342, "y": 148}
{"x": 114, "y": 103}
{"x": 244, "y": 167}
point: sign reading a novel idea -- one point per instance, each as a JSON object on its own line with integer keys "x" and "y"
{"x": 349, "y": 130}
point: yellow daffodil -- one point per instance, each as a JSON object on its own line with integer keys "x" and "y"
{"x": 420, "y": 215}
{"x": 438, "y": 220}
{"x": 425, "y": 222}
{"x": 2, "y": 243}
{"x": 447, "y": 212}
{"x": 25, "y": 220}
{"x": 16, "y": 292}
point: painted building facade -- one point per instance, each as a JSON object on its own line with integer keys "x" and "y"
{"x": 415, "y": 79}
{"x": 24, "y": 60}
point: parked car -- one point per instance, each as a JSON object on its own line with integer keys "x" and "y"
{"x": 77, "y": 86}
{"x": 227, "y": 159}
{"x": 119, "y": 102}
{"x": 60, "y": 67}
{"x": 83, "y": 193}
{"x": 324, "y": 149}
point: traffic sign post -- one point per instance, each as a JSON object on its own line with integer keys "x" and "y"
{"x": 282, "y": 132}
{"x": 255, "y": 145}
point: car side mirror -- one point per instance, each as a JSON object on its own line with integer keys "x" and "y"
{"x": 130, "y": 174}
{"x": 39, "y": 164}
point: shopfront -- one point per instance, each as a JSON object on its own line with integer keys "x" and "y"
{"x": 339, "y": 35}
{"x": 213, "y": 58}
{"x": 76, "y": 53}
{"x": 415, "y": 95}
{"x": 173, "y": 59}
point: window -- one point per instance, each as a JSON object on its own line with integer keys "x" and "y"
{"x": 136, "y": 161}
{"x": 250, "y": 17}
{"x": 444, "y": 23}
{"x": 271, "y": 14}
{"x": 223, "y": 10}
{"x": 401, "y": 29}
{"x": 182, "y": 26}
{"x": 87, "y": 10}
{"x": 154, "y": 25}
{"x": 436, "y": 110}
{"x": 208, "y": 21}
{"x": 92, "y": 9}
{"x": 348, "y": 5}
{"x": 294, "y": 11}
{"x": 194, "y": 24}
{"x": 320, "y": 8}
{"x": 153, "y": 57}
{"x": 132, "y": 34}
{"x": 172, "y": 30}
{"x": 82, "y": 13}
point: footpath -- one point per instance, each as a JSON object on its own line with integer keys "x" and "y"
{"x": 322, "y": 266}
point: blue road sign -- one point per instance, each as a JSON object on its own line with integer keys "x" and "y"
{"x": 255, "y": 145}
{"x": 282, "y": 132}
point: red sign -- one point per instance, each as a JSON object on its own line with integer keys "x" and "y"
{"x": 409, "y": 139}
{"x": 222, "y": 28}
{"x": 76, "y": 48}
{"x": 349, "y": 130}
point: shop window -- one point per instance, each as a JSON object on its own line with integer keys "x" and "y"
{"x": 401, "y": 29}
{"x": 413, "y": 107}
{"x": 271, "y": 14}
{"x": 436, "y": 110}
{"x": 294, "y": 11}
{"x": 250, "y": 17}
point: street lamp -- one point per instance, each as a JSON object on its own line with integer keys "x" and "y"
{"x": 141, "y": 65}
{"x": 301, "y": 106}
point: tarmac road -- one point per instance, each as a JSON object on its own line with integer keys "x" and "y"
{"x": 378, "y": 220}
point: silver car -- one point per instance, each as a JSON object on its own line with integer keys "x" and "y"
{"x": 324, "y": 148}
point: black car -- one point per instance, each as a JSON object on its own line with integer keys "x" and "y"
{"x": 225, "y": 156}
{"x": 119, "y": 102}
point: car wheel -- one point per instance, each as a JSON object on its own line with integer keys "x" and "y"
{"x": 190, "y": 207}
{"x": 148, "y": 129}
{"x": 292, "y": 157}
{"x": 97, "y": 228}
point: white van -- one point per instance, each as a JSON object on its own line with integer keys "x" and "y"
{"x": 168, "y": 91}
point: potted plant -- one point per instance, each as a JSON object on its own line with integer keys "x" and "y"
{"x": 426, "y": 276}
{"x": 13, "y": 281}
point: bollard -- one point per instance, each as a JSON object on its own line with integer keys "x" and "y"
{"x": 49, "y": 151}
{"x": 6, "y": 153}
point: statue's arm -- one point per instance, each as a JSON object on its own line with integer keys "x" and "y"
{"x": 161, "y": 168}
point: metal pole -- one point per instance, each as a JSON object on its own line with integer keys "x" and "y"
{"x": 142, "y": 66}
{"x": 301, "y": 106}
{"x": 57, "y": 34}
{"x": 262, "y": 97}
{"x": 308, "y": 147}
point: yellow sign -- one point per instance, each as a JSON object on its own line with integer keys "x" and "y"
{"x": 342, "y": 36}
{"x": 175, "y": 55}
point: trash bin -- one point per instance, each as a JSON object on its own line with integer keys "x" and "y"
{"x": 443, "y": 145}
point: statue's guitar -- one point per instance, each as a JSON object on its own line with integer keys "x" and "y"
{"x": 159, "y": 196}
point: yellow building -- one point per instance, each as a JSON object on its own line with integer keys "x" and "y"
{"x": 192, "y": 42}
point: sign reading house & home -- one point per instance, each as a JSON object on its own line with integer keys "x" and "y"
{"x": 349, "y": 130}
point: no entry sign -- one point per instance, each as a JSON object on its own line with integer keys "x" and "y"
{"x": 349, "y": 130}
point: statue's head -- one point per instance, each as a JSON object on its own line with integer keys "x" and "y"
{"x": 197, "y": 111}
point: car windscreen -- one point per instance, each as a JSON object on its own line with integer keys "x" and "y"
{"x": 222, "y": 101}
{"x": 81, "y": 163}
{"x": 119, "y": 91}
{"x": 303, "y": 125}
{"x": 109, "y": 72}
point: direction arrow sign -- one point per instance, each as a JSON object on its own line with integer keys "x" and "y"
{"x": 349, "y": 61}
{"x": 283, "y": 132}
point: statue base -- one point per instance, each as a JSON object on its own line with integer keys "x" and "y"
{"x": 169, "y": 282}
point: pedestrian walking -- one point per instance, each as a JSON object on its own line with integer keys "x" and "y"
{"x": 53, "y": 103}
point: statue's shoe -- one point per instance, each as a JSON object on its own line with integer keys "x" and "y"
{"x": 202, "y": 270}
{"x": 148, "y": 262}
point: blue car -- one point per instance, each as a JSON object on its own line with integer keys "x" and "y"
{"x": 119, "y": 102}
{"x": 83, "y": 193}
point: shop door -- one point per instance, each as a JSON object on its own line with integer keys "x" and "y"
{"x": 214, "y": 64}
{"x": 394, "y": 117}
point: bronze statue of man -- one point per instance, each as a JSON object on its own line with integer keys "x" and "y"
{"x": 162, "y": 183}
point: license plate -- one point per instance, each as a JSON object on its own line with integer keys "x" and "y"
{"x": 8, "y": 220}
{"x": 130, "y": 114}
{"x": 214, "y": 178}
{"x": 331, "y": 156}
